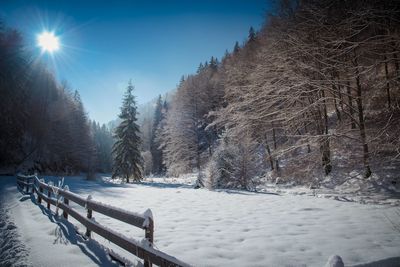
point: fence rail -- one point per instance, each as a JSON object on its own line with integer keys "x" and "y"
{"x": 25, "y": 183}
{"x": 143, "y": 250}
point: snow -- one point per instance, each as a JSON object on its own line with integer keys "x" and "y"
{"x": 334, "y": 261}
{"x": 354, "y": 188}
{"x": 148, "y": 215}
{"x": 12, "y": 251}
{"x": 39, "y": 238}
{"x": 144, "y": 215}
{"x": 211, "y": 228}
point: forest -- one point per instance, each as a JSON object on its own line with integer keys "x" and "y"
{"x": 241, "y": 136}
{"x": 44, "y": 126}
{"x": 313, "y": 94}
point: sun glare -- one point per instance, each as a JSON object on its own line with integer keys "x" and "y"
{"x": 48, "y": 42}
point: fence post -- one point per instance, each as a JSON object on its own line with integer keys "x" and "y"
{"x": 65, "y": 214}
{"x": 149, "y": 235}
{"x": 49, "y": 196}
{"x": 40, "y": 194}
{"x": 33, "y": 185}
{"x": 89, "y": 216}
{"x": 149, "y": 232}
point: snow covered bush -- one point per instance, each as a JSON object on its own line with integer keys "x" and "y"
{"x": 234, "y": 166}
{"x": 222, "y": 166}
{"x": 177, "y": 168}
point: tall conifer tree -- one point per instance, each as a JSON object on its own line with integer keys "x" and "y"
{"x": 128, "y": 161}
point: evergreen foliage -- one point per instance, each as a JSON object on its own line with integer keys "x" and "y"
{"x": 103, "y": 141}
{"x": 156, "y": 152}
{"x": 43, "y": 125}
{"x": 128, "y": 161}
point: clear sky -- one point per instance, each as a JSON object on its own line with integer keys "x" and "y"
{"x": 106, "y": 43}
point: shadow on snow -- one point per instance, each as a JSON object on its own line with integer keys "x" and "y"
{"x": 65, "y": 233}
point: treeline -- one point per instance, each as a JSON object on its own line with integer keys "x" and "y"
{"x": 44, "y": 126}
{"x": 103, "y": 140}
{"x": 315, "y": 91}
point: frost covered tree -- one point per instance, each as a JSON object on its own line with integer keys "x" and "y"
{"x": 309, "y": 85}
{"x": 156, "y": 152}
{"x": 315, "y": 90}
{"x": 187, "y": 142}
{"x": 178, "y": 136}
{"x": 128, "y": 162}
{"x": 235, "y": 163}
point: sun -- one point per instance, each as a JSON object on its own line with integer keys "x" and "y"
{"x": 48, "y": 42}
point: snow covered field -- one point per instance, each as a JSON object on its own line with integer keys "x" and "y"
{"x": 207, "y": 228}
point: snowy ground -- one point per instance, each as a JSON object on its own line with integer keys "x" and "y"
{"x": 348, "y": 188}
{"x": 32, "y": 236}
{"x": 207, "y": 228}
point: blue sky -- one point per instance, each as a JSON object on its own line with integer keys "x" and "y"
{"x": 106, "y": 43}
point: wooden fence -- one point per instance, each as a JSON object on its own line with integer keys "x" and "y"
{"x": 143, "y": 250}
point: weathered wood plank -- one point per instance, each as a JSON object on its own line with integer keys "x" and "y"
{"x": 65, "y": 193}
{"x": 73, "y": 197}
{"x": 116, "y": 213}
{"x": 25, "y": 184}
{"x": 47, "y": 199}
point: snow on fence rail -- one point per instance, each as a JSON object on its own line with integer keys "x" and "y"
{"x": 143, "y": 250}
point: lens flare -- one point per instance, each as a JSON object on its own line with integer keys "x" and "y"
{"x": 48, "y": 42}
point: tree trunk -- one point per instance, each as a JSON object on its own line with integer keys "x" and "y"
{"x": 336, "y": 107}
{"x": 387, "y": 83}
{"x": 271, "y": 160}
{"x": 275, "y": 147}
{"x": 396, "y": 64}
{"x": 339, "y": 117}
{"x": 198, "y": 150}
{"x": 325, "y": 147}
{"x": 363, "y": 134}
{"x": 351, "y": 109}
{"x": 306, "y": 131}
{"x": 340, "y": 97}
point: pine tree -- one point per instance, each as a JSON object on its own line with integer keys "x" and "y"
{"x": 82, "y": 144}
{"x": 128, "y": 161}
{"x": 182, "y": 80}
{"x": 252, "y": 34}
{"x": 200, "y": 68}
{"x": 236, "y": 48}
{"x": 103, "y": 142}
{"x": 213, "y": 63}
{"x": 154, "y": 145}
